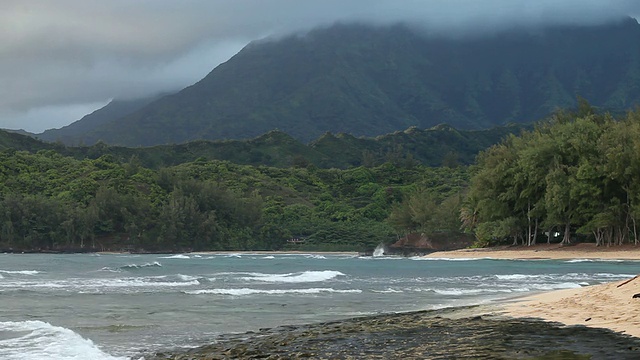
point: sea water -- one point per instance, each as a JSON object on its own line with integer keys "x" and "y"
{"x": 117, "y": 306}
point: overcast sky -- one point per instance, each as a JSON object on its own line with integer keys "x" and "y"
{"x": 62, "y": 59}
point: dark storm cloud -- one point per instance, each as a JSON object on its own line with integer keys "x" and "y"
{"x": 62, "y": 57}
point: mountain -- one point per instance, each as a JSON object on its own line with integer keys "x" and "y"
{"x": 115, "y": 109}
{"x": 366, "y": 81}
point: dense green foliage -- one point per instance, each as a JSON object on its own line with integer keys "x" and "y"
{"x": 441, "y": 145}
{"x": 578, "y": 175}
{"x": 52, "y": 202}
{"x": 363, "y": 80}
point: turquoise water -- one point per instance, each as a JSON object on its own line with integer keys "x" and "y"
{"x": 115, "y": 306}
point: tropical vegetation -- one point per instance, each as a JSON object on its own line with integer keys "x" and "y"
{"x": 576, "y": 176}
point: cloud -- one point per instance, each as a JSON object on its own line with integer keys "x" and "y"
{"x": 59, "y": 57}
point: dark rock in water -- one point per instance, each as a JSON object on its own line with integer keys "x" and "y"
{"x": 420, "y": 335}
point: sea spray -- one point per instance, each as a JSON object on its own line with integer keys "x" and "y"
{"x": 379, "y": 251}
{"x": 38, "y": 340}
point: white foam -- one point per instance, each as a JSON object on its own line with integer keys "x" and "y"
{"x": 302, "y": 277}
{"x": 565, "y": 285}
{"x": 177, "y": 256}
{"x": 609, "y": 275}
{"x": 187, "y": 277}
{"x": 516, "y": 277}
{"x": 420, "y": 258}
{"x": 314, "y": 256}
{"x": 387, "y": 291}
{"x": 269, "y": 257}
{"x": 20, "y": 272}
{"x": 38, "y": 340}
{"x": 593, "y": 260}
{"x": 100, "y": 285}
{"x": 136, "y": 266}
{"x": 249, "y": 291}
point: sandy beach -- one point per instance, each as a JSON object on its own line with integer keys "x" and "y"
{"x": 544, "y": 251}
{"x": 611, "y": 306}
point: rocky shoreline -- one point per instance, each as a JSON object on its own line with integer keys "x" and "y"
{"x": 455, "y": 333}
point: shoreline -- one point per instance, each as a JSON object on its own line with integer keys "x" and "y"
{"x": 614, "y": 306}
{"x": 545, "y": 252}
{"x": 480, "y": 331}
{"x": 601, "y": 320}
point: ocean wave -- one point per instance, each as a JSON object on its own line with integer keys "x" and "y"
{"x": 463, "y": 292}
{"x": 568, "y": 276}
{"x": 301, "y": 277}
{"x": 620, "y": 276}
{"x": 557, "y": 286}
{"x": 387, "y": 291}
{"x": 314, "y": 256}
{"x": 97, "y": 286}
{"x": 137, "y": 266}
{"x": 38, "y": 340}
{"x": 249, "y": 291}
{"x": 177, "y": 256}
{"x": 519, "y": 276}
{"x": 269, "y": 257}
{"x": 20, "y": 272}
{"x": 595, "y": 260}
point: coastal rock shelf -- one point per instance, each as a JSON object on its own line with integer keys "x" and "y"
{"x": 441, "y": 334}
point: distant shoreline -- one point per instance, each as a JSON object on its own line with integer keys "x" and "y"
{"x": 545, "y": 252}
{"x": 239, "y": 252}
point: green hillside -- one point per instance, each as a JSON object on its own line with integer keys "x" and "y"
{"x": 441, "y": 145}
{"x": 368, "y": 81}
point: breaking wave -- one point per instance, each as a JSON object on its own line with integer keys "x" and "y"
{"x": 38, "y": 340}
{"x": 300, "y": 277}
{"x": 249, "y": 291}
{"x": 145, "y": 265}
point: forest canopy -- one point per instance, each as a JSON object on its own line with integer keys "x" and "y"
{"x": 49, "y": 202}
{"x": 576, "y": 175}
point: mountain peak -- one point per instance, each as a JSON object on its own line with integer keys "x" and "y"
{"x": 371, "y": 80}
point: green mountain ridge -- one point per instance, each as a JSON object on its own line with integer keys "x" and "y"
{"x": 441, "y": 145}
{"x": 366, "y": 81}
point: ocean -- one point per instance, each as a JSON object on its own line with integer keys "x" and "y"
{"x": 119, "y": 306}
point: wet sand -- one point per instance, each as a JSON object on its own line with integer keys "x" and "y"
{"x": 544, "y": 251}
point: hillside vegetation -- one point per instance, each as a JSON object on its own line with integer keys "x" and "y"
{"x": 49, "y": 202}
{"x": 441, "y": 145}
{"x": 577, "y": 175}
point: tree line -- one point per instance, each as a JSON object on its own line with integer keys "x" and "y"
{"x": 576, "y": 175}
{"x": 50, "y": 202}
